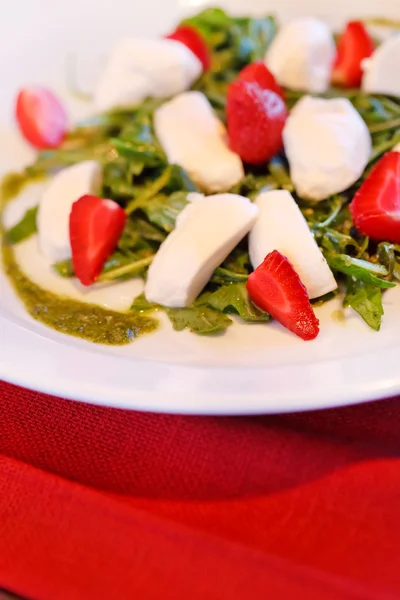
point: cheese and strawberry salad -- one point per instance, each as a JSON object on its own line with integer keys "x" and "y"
{"x": 235, "y": 167}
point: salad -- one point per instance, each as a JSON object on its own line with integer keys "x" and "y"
{"x": 236, "y": 167}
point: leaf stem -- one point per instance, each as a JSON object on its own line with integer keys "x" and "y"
{"x": 384, "y": 147}
{"x": 333, "y": 215}
{"x": 154, "y": 189}
{"x": 228, "y": 276}
{"x": 131, "y": 269}
{"x": 386, "y": 126}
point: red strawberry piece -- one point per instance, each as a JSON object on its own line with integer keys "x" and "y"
{"x": 256, "y": 118}
{"x": 354, "y": 45}
{"x": 376, "y": 206}
{"x": 95, "y": 226}
{"x": 257, "y": 72}
{"x": 195, "y": 42}
{"x": 276, "y": 288}
{"x": 41, "y": 117}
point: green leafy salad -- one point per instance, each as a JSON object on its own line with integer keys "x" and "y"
{"x": 137, "y": 175}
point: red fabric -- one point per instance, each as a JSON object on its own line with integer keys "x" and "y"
{"x": 103, "y": 503}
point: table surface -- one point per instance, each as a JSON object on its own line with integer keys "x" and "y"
{"x": 227, "y": 503}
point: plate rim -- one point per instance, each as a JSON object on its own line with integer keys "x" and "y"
{"x": 343, "y": 392}
{"x": 197, "y": 397}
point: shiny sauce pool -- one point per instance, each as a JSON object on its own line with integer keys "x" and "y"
{"x": 87, "y": 321}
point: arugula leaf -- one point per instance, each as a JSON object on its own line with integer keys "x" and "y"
{"x": 140, "y": 304}
{"x": 65, "y": 268}
{"x": 253, "y": 38}
{"x": 146, "y": 231}
{"x": 280, "y": 174}
{"x": 360, "y": 269}
{"x": 126, "y": 268}
{"x": 385, "y": 125}
{"x": 366, "y": 300}
{"x": 163, "y": 210}
{"x": 234, "y": 43}
{"x": 138, "y": 142}
{"x": 117, "y": 266}
{"x": 129, "y": 240}
{"x": 93, "y": 140}
{"x": 372, "y": 109}
{"x": 234, "y": 298}
{"x": 238, "y": 261}
{"x": 199, "y": 318}
{"x": 150, "y": 189}
{"x": 387, "y": 257}
{"x": 202, "y": 320}
{"x": 180, "y": 181}
{"x": 336, "y": 205}
{"x": 52, "y": 160}
{"x": 336, "y": 242}
{"x": 139, "y": 237}
{"x": 24, "y": 229}
{"x": 203, "y": 298}
{"x": 325, "y": 298}
{"x": 172, "y": 179}
{"x": 383, "y": 145}
{"x": 104, "y": 123}
{"x": 223, "y": 276}
{"x": 209, "y": 21}
{"x": 254, "y": 184}
{"x": 118, "y": 179}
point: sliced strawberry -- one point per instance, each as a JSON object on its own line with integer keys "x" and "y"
{"x": 41, "y": 117}
{"x": 195, "y": 42}
{"x": 376, "y": 206}
{"x": 354, "y": 45}
{"x": 256, "y": 118}
{"x": 276, "y": 288}
{"x": 95, "y": 226}
{"x": 257, "y": 72}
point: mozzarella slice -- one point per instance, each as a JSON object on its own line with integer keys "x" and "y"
{"x": 302, "y": 55}
{"x": 56, "y": 204}
{"x": 396, "y": 148}
{"x": 327, "y": 144}
{"x": 281, "y": 226}
{"x": 142, "y": 68}
{"x": 193, "y": 137}
{"x": 381, "y": 70}
{"x": 206, "y": 231}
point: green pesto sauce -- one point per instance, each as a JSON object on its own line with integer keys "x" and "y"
{"x": 87, "y": 321}
{"x": 13, "y": 184}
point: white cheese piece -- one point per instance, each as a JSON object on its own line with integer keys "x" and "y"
{"x": 142, "y": 68}
{"x": 193, "y": 137}
{"x": 281, "y": 226}
{"x": 206, "y": 231}
{"x": 302, "y": 55}
{"x": 327, "y": 144}
{"x": 381, "y": 70}
{"x": 56, "y": 203}
{"x": 396, "y": 148}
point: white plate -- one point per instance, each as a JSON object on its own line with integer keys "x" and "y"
{"x": 250, "y": 369}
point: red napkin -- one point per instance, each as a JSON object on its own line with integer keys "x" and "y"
{"x": 104, "y": 503}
